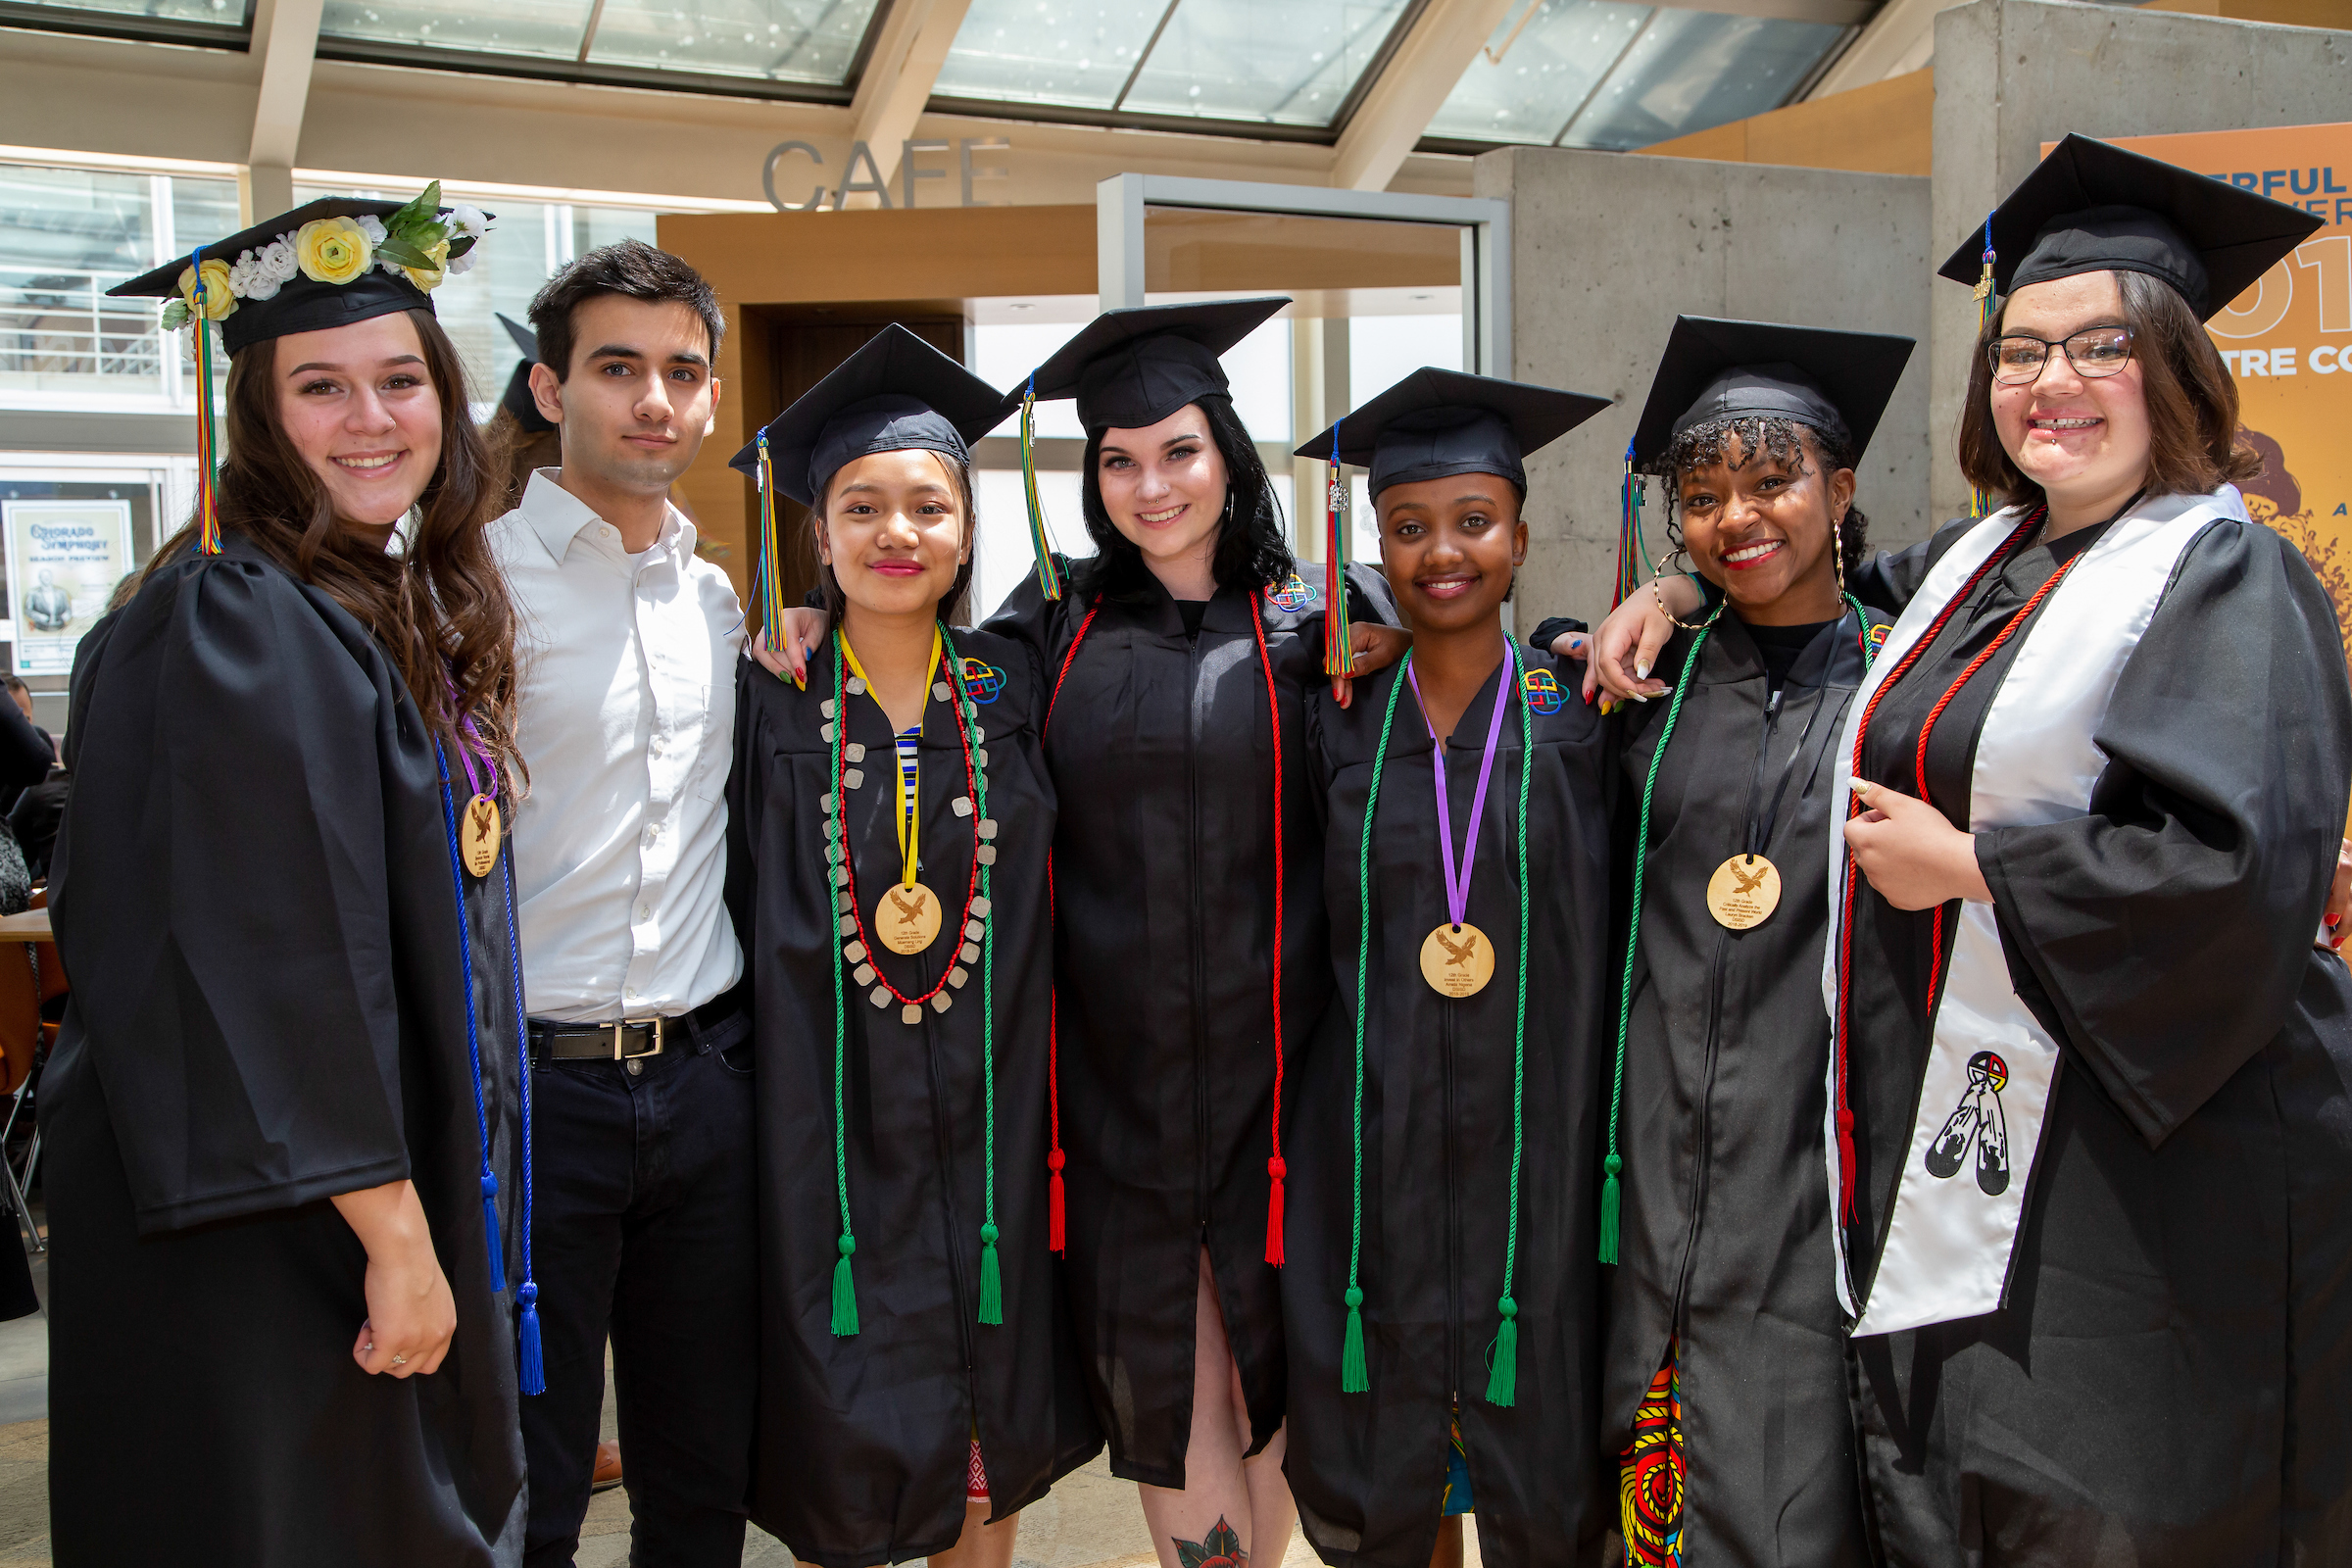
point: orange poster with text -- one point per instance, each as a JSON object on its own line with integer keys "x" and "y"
{"x": 2288, "y": 339}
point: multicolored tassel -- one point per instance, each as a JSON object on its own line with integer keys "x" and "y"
{"x": 1632, "y": 551}
{"x": 770, "y": 589}
{"x": 1049, "y": 575}
{"x": 1339, "y": 657}
{"x": 1978, "y": 501}
{"x": 208, "y": 442}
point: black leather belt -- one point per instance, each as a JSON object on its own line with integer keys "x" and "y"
{"x": 713, "y": 1026}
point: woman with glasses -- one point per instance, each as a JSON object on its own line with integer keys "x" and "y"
{"x": 2091, "y": 1090}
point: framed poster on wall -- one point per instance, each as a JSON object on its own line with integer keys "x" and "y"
{"x": 64, "y": 557}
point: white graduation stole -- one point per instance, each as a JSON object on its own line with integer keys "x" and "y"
{"x": 1961, "y": 1193}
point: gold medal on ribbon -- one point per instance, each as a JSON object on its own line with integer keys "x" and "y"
{"x": 477, "y": 835}
{"x": 906, "y": 918}
{"x": 1458, "y": 960}
{"x": 1743, "y": 892}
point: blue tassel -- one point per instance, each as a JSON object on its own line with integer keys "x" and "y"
{"x": 532, "y": 1374}
{"x": 497, "y": 1253}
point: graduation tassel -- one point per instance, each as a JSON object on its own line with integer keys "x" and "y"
{"x": 1977, "y": 499}
{"x": 1277, "y": 1169}
{"x": 1631, "y": 549}
{"x": 1339, "y": 656}
{"x": 498, "y": 1253}
{"x": 208, "y": 463}
{"x": 991, "y": 1279}
{"x": 771, "y": 586}
{"x": 1502, "y": 1382}
{"x": 1057, "y": 1236}
{"x": 530, "y": 1365}
{"x": 1353, "y": 1379}
{"x": 1049, "y": 574}
{"x": 845, "y": 1290}
{"x": 1609, "y": 1195}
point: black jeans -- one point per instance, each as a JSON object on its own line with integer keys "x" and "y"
{"x": 645, "y": 1224}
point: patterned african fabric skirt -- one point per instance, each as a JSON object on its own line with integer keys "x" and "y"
{"x": 975, "y": 1479}
{"x": 1457, "y": 1472}
{"x": 1650, "y": 1474}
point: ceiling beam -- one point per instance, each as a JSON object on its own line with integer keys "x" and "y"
{"x": 1900, "y": 39}
{"x": 899, "y": 75}
{"x": 285, "y": 38}
{"x": 1442, "y": 41}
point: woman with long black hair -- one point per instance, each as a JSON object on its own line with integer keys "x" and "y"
{"x": 287, "y": 1123}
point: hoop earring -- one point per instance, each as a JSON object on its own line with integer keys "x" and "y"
{"x": 1657, "y": 572}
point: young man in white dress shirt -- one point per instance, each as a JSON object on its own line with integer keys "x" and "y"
{"x": 644, "y": 1205}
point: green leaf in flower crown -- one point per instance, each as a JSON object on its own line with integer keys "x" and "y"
{"x": 401, "y": 253}
{"x": 426, "y": 208}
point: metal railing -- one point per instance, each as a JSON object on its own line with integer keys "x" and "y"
{"x": 60, "y": 332}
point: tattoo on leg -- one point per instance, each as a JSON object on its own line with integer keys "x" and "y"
{"x": 1221, "y": 1548}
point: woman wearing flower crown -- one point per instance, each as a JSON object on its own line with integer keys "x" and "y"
{"x": 287, "y": 1134}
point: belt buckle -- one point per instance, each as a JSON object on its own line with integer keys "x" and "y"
{"x": 620, "y": 1033}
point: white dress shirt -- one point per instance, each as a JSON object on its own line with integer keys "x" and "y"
{"x": 627, "y": 722}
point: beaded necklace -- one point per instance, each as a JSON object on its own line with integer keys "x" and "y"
{"x": 972, "y": 928}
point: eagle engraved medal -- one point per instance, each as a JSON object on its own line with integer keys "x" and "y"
{"x": 1457, "y": 959}
{"x": 1743, "y": 892}
{"x": 906, "y": 917}
{"x": 477, "y": 835}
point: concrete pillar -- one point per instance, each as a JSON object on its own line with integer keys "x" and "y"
{"x": 1608, "y": 248}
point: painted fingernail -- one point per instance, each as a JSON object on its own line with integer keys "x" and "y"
{"x": 1860, "y": 786}
{"x": 1641, "y": 670}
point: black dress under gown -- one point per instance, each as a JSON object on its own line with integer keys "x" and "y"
{"x": 2165, "y": 1386}
{"x": 1725, "y": 1249}
{"x": 865, "y": 1438}
{"x": 255, "y": 901}
{"x": 1162, "y": 761}
{"x": 1369, "y": 1469}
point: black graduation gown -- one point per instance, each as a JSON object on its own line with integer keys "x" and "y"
{"x": 1368, "y": 1469}
{"x": 1163, "y": 760}
{"x": 865, "y": 1439}
{"x": 1726, "y": 1245}
{"x": 2165, "y": 1386}
{"x": 255, "y": 901}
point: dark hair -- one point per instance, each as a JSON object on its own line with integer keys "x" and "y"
{"x": 1252, "y": 551}
{"x": 2194, "y": 442}
{"x": 1782, "y": 440}
{"x": 15, "y": 684}
{"x": 951, "y": 607}
{"x": 632, "y": 269}
{"x": 517, "y": 452}
{"x": 439, "y": 606}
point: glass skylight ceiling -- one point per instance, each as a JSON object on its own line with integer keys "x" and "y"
{"x": 1597, "y": 74}
{"x": 219, "y": 12}
{"x": 1291, "y": 63}
{"x": 771, "y": 41}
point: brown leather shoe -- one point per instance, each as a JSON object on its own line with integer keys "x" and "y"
{"x": 608, "y": 1468}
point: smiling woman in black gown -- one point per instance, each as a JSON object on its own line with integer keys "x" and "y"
{"x": 285, "y": 1124}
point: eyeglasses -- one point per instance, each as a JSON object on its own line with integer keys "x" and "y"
{"x": 2016, "y": 359}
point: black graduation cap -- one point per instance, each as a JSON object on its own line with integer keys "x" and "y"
{"x": 2090, "y": 206}
{"x": 1837, "y": 382}
{"x": 895, "y": 394}
{"x": 1436, "y": 422}
{"x": 516, "y": 399}
{"x": 301, "y": 302}
{"x": 1134, "y": 367}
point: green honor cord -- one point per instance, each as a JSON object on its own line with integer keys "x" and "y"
{"x": 1610, "y": 1196}
{"x": 1503, "y": 1373}
{"x": 991, "y": 1279}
